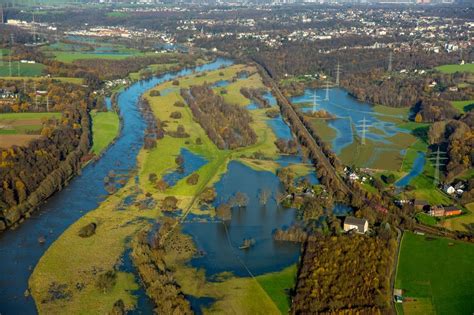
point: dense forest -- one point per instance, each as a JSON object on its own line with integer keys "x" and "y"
{"x": 345, "y": 274}
{"x": 31, "y": 174}
{"x": 227, "y": 125}
{"x": 456, "y": 138}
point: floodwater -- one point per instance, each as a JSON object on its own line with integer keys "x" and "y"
{"x": 20, "y": 250}
{"x": 416, "y": 170}
{"x": 191, "y": 163}
{"x": 350, "y": 113}
{"x": 220, "y": 241}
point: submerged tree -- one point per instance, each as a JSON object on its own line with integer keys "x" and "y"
{"x": 240, "y": 200}
{"x": 263, "y": 196}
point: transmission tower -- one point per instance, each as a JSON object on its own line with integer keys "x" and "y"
{"x": 364, "y": 127}
{"x": 36, "y": 95}
{"x": 338, "y": 73}
{"x": 327, "y": 91}
{"x": 315, "y": 101}
{"x": 34, "y": 29}
{"x": 10, "y": 55}
{"x": 438, "y": 161}
{"x": 390, "y": 59}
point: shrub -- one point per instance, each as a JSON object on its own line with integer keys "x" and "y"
{"x": 176, "y": 115}
{"x": 224, "y": 212}
{"x": 179, "y": 104}
{"x": 169, "y": 203}
{"x": 88, "y": 230}
{"x": 208, "y": 195}
{"x": 161, "y": 185}
{"x": 193, "y": 179}
{"x": 106, "y": 281}
{"x": 155, "y": 93}
{"x": 152, "y": 178}
{"x": 175, "y": 82}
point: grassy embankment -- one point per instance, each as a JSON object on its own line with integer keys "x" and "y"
{"x": 105, "y": 127}
{"x": 20, "y": 128}
{"x": 436, "y": 275}
{"x": 72, "y": 259}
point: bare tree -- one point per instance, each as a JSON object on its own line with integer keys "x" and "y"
{"x": 263, "y": 196}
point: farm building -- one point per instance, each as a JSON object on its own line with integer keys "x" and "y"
{"x": 436, "y": 211}
{"x": 441, "y": 211}
{"x": 452, "y": 210}
{"x": 359, "y": 225}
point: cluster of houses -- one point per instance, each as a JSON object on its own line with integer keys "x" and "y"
{"x": 437, "y": 211}
{"x": 7, "y": 96}
{"x": 353, "y": 176}
{"x": 456, "y": 189}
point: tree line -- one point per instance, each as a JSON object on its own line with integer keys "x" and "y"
{"x": 227, "y": 125}
{"x": 32, "y": 173}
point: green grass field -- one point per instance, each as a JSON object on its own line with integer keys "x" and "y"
{"x": 277, "y": 286}
{"x": 426, "y": 219}
{"x": 463, "y": 106}
{"x": 26, "y": 69}
{"x": 437, "y": 273}
{"x": 468, "y": 67}
{"x": 61, "y": 79}
{"x": 19, "y": 116}
{"x": 105, "y": 127}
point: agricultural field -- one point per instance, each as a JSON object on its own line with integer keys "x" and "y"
{"x": 68, "y": 53}
{"x": 26, "y": 69}
{"x": 105, "y": 127}
{"x": 21, "y": 128}
{"x": 435, "y": 275}
{"x": 468, "y": 67}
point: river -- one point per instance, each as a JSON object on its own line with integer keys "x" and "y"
{"x": 20, "y": 249}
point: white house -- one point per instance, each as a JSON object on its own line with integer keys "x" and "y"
{"x": 356, "y": 224}
{"x": 449, "y": 190}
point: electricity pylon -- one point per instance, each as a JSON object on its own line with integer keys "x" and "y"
{"x": 364, "y": 127}
{"x": 437, "y": 158}
{"x": 327, "y": 91}
{"x": 390, "y": 59}
{"x": 315, "y": 101}
{"x": 338, "y": 73}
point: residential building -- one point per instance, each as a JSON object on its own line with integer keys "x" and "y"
{"x": 356, "y": 224}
